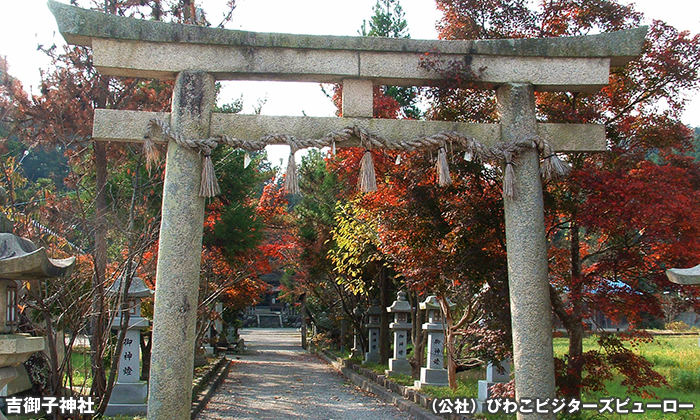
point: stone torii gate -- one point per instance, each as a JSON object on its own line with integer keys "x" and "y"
{"x": 198, "y": 56}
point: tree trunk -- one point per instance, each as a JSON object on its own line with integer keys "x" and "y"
{"x": 188, "y": 11}
{"x": 302, "y": 313}
{"x": 343, "y": 333}
{"x": 449, "y": 343}
{"x": 145, "y": 343}
{"x": 97, "y": 318}
{"x": 418, "y": 337}
{"x": 576, "y": 325}
{"x": 384, "y": 302}
{"x": 572, "y": 320}
{"x": 98, "y": 322}
{"x": 56, "y": 371}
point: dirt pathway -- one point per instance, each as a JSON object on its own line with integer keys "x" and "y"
{"x": 278, "y": 380}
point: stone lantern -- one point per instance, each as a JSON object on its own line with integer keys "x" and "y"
{"x": 435, "y": 373}
{"x": 130, "y": 393}
{"x": 685, "y": 276}
{"x": 401, "y": 326}
{"x": 20, "y": 260}
{"x": 373, "y": 324}
{"x": 356, "y": 347}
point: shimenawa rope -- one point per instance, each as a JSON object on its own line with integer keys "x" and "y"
{"x": 551, "y": 167}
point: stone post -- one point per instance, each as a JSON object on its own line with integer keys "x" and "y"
{"x": 401, "y": 326}
{"x": 218, "y": 328}
{"x": 527, "y": 253}
{"x": 358, "y": 98}
{"x": 373, "y": 325}
{"x": 214, "y": 331}
{"x": 180, "y": 254}
{"x": 435, "y": 373}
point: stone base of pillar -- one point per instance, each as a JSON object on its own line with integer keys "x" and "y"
{"x": 398, "y": 367}
{"x": 128, "y": 399}
{"x": 371, "y": 358}
{"x": 129, "y": 392}
{"x": 432, "y": 377}
{"x": 484, "y": 394}
{"x": 114, "y": 410}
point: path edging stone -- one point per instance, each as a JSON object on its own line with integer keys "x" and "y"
{"x": 208, "y": 384}
{"x": 405, "y": 398}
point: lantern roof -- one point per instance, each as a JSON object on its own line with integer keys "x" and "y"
{"x": 401, "y": 304}
{"x": 684, "y": 275}
{"x": 20, "y": 259}
{"x": 432, "y": 303}
{"x": 137, "y": 289}
{"x": 374, "y": 310}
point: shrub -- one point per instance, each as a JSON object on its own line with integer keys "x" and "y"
{"x": 677, "y": 326}
{"x": 322, "y": 340}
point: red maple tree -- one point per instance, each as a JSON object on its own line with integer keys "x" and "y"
{"x": 623, "y": 216}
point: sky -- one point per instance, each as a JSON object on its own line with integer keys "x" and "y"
{"x": 28, "y": 23}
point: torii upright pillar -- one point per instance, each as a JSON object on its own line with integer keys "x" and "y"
{"x": 179, "y": 253}
{"x": 526, "y": 245}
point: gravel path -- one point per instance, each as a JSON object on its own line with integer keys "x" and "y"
{"x": 278, "y": 380}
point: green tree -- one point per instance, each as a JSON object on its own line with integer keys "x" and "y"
{"x": 389, "y": 21}
{"x": 237, "y": 227}
{"x": 316, "y": 214}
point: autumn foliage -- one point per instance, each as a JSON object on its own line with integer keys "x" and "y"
{"x": 614, "y": 226}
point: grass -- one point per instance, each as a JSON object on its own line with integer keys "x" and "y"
{"x": 80, "y": 364}
{"x": 343, "y": 354}
{"x": 401, "y": 379}
{"x": 675, "y": 357}
{"x": 375, "y": 367}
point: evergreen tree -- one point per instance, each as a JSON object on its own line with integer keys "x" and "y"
{"x": 389, "y": 21}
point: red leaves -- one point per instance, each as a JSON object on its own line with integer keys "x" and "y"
{"x": 273, "y": 204}
{"x": 479, "y": 19}
{"x": 385, "y": 106}
{"x": 624, "y": 216}
{"x": 652, "y": 205}
{"x": 579, "y": 17}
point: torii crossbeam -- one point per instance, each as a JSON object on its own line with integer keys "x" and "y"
{"x": 197, "y": 56}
